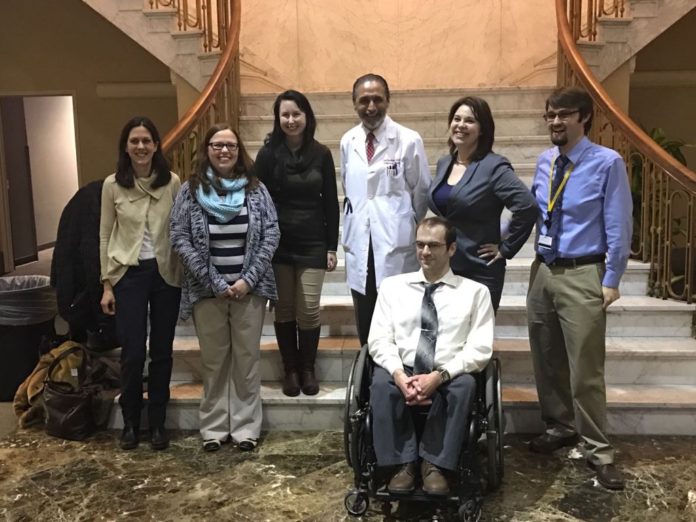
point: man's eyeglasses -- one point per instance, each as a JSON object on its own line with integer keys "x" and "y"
{"x": 217, "y": 146}
{"x": 432, "y": 245}
{"x": 562, "y": 115}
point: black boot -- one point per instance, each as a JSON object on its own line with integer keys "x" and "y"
{"x": 130, "y": 437}
{"x": 286, "y": 334}
{"x": 309, "y": 342}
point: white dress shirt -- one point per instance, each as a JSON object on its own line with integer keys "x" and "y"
{"x": 465, "y": 323}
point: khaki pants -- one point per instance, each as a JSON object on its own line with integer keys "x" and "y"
{"x": 229, "y": 333}
{"x": 567, "y": 328}
{"x": 299, "y": 295}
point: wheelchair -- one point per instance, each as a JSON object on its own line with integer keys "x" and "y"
{"x": 480, "y": 467}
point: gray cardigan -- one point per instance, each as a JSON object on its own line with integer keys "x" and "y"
{"x": 190, "y": 239}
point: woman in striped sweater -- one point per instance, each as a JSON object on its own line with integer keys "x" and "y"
{"x": 225, "y": 229}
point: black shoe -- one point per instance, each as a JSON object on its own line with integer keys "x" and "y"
{"x": 159, "y": 439}
{"x": 547, "y": 443}
{"x": 130, "y": 437}
{"x": 248, "y": 444}
{"x": 609, "y": 476}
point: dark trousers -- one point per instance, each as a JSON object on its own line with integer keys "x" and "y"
{"x": 364, "y": 305}
{"x": 394, "y": 434}
{"x": 142, "y": 286}
{"x": 493, "y": 277}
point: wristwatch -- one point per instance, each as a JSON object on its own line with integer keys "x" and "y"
{"x": 444, "y": 375}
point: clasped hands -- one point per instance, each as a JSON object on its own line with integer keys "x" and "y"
{"x": 417, "y": 389}
{"x": 236, "y": 290}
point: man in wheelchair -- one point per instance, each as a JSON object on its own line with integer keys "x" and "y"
{"x": 431, "y": 329}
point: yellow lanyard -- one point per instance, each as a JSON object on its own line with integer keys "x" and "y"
{"x": 559, "y": 190}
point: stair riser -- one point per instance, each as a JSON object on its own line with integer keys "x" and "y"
{"x": 428, "y": 126}
{"x": 519, "y": 418}
{"x": 340, "y": 321}
{"x": 403, "y": 102}
{"x": 523, "y": 152}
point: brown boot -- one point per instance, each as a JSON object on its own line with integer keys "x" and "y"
{"x": 404, "y": 480}
{"x": 434, "y": 481}
{"x": 286, "y": 334}
{"x": 308, "y": 343}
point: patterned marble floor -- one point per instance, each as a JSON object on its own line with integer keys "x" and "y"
{"x": 303, "y": 477}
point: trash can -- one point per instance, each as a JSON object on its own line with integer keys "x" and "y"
{"x": 27, "y": 311}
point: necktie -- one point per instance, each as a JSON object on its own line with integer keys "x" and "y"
{"x": 370, "y": 146}
{"x": 425, "y": 353}
{"x": 553, "y": 221}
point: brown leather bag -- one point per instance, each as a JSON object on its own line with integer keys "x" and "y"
{"x": 70, "y": 409}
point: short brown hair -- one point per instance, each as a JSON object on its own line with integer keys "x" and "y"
{"x": 435, "y": 221}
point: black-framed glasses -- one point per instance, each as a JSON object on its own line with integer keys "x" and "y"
{"x": 432, "y": 245}
{"x": 217, "y": 146}
{"x": 562, "y": 115}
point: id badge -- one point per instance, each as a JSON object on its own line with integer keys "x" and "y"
{"x": 545, "y": 241}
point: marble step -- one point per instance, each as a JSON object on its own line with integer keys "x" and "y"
{"x": 431, "y": 100}
{"x": 636, "y": 316}
{"x": 631, "y": 409}
{"x": 513, "y": 122}
{"x": 518, "y": 149}
{"x": 633, "y": 282}
{"x": 629, "y": 360}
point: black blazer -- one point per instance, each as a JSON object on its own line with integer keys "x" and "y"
{"x": 475, "y": 205}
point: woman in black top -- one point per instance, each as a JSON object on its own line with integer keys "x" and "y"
{"x": 472, "y": 185}
{"x": 299, "y": 173}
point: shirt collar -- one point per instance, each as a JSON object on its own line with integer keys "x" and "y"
{"x": 577, "y": 151}
{"x": 379, "y": 131}
{"x": 418, "y": 278}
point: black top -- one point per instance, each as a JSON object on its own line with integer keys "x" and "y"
{"x": 303, "y": 188}
{"x": 474, "y": 207}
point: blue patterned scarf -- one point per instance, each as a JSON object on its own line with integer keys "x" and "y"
{"x": 225, "y": 207}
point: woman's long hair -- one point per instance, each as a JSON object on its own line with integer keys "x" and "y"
{"x": 277, "y": 136}
{"x": 125, "y": 175}
{"x": 243, "y": 167}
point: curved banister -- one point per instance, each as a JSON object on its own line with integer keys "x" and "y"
{"x": 634, "y": 133}
{"x": 199, "y": 108}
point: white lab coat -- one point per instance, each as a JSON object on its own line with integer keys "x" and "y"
{"x": 384, "y": 200}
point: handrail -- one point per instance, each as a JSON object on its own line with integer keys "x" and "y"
{"x": 219, "y": 100}
{"x": 666, "y": 233}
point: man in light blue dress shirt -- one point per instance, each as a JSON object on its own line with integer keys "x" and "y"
{"x": 582, "y": 243}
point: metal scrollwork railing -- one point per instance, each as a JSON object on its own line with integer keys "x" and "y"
{"x": 207, "y": 16}
{"x": 664, "y": 190}
{"x": 219, "y": 100}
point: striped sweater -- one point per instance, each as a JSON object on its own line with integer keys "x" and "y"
{"x": 190, "y": 239}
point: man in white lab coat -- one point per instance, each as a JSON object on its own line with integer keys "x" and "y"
{"x": 385, "y": 179}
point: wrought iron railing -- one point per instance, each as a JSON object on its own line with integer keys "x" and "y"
{"x": 219, "y": 101}
{"x": 664, "y": 189}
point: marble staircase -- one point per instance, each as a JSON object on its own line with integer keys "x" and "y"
{"x": 156, "y": 31}
{"x": 651, "y": 355}
{"x": 619, "y": 39}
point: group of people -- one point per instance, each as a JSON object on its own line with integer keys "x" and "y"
{"x": 240, "y": 233}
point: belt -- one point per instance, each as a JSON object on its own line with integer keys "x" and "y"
{"x": 573, "y": 262}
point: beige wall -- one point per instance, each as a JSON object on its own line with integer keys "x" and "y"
{"x": 70, "y": 49}
{"x": 323, "y": 45}
{"x": 663, "y": 87}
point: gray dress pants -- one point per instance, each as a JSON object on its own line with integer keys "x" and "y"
{"x": 394, "y": 434}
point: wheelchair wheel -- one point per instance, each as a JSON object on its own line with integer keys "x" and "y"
{"x": 494, "y": 431}
{"x": 355, "y": 399}
{"x": 356, "y": 503}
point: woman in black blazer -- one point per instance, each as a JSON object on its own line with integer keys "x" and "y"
{"x": 472, "y": 185}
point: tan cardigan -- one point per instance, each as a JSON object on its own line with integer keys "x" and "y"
{"x": 123, "y": 215}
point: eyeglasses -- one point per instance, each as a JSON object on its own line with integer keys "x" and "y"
{"x": 432, "y": 245}
{"x": 562, "y": 115}
{"x": 217, "y": 146}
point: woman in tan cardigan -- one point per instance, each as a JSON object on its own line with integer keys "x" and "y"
{"x": 140, "y": 272}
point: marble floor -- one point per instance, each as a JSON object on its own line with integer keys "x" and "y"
{"x": 303, "y": 477}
